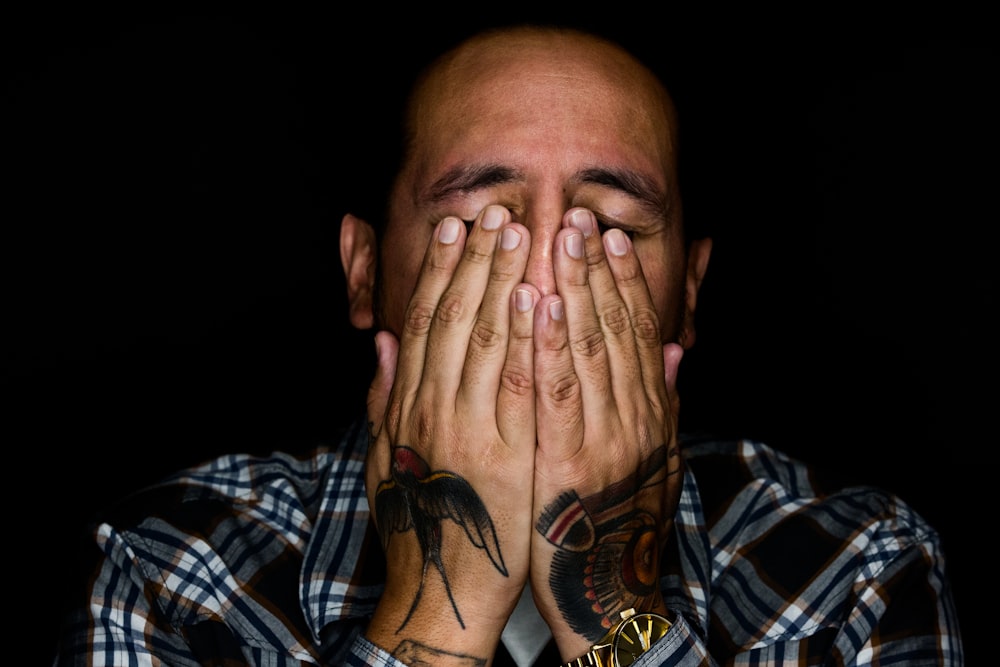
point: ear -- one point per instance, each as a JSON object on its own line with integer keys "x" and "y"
{"x": 358, "y": 257}
{"x": 697, "y": 264}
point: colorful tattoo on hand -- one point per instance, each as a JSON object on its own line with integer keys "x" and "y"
{"x": 419, "y": 499}
{"x": 608, "y": 551}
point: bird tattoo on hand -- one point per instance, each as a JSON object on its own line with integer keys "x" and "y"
{"x": 420, "y": 499}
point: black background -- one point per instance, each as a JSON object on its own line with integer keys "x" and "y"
{"x": 171, "y": 285}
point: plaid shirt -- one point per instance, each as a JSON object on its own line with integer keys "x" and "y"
{"x": 273, "y": 561}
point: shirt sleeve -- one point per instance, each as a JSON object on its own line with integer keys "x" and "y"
{"x": 679, "y": 647}
{"x": 135, "y": 611}
{"x": 366, "y": 654}
{"x": 791, "y": 574}
{"x": 116, "y": 622}
{"x": 899, "y": 610}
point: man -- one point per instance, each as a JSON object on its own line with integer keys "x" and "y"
{"x": 519, "y": 475}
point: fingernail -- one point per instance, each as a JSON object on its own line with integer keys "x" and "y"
{"x": 523, "y": 300}
{"x": 509, "y": 239}
{"x": 556, "y": 310}
{"x": 493, "y": 217}
{"x": 449, "y": 230}
{"x": 583, "y": 221}
{"x": 617, "y": 242}
{"x": 574, "y": 245}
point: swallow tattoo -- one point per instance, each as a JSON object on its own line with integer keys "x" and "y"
{"x": 420, "y": 499}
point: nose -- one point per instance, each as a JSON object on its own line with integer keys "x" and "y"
{"x": 544, "y": 222}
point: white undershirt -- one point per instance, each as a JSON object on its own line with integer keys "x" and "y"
{"x": 525, "y": 634}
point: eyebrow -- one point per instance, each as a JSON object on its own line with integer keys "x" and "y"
{"x": 636, "y": 185}
{"x": 465, "y": 179}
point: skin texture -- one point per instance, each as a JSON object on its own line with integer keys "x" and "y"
{"x": 535, "y": 300}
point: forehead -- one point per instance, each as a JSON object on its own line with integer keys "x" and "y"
{"x": 544, "y": 100}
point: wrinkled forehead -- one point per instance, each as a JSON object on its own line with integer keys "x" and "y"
{"x": 502, "y": 82}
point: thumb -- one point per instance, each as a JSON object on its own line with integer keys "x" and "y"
{"x": 387, "y": 351}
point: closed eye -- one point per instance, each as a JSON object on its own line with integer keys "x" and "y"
{"x": 604, "y": 224}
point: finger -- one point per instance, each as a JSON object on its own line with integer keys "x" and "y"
{"x": 440, "y": 259}
{"x": 586, "y": 339}
{"x": 516, "y": 399}
{"x": 559, "y": 408}
{"x": 644, "y": 329}
{"x": 488, "y": 345}
{"x": 458, "y": 307}
{"x": 624, "y": 367}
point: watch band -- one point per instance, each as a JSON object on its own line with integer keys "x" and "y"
{"x": 623, "y": 644}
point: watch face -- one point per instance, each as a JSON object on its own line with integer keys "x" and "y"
{"x": 635, "y": 636}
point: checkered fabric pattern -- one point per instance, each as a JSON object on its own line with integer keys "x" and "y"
{"x": 273, "y": 561}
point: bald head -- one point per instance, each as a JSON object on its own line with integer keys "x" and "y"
{"x": 539, "y": 120}
{"x": 549, "y": 71}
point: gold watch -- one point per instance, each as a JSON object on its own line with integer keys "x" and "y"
{"x": 633, "y": 636}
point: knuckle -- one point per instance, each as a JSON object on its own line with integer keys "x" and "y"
{"x": 646, "y": 325}
{"x": 516, "y": 380}
{"x": 422, "y": 423}
{"x": 393, "y": 415}
{"x": 521, "y": 337}
{"x": 450, "y": 308}
{"x": 503, "y": 272}
{"x": 565, "y": 389}
{"x": 596, "y": 259}
{"x": 419, "y": 315}
{"x": 617, "y": 320}
{"x": 658, "y": 406}
{"x": 476, "y": 255}
{"x": 629, "y": 276}
{"x": 590, "y": 344}
{"x": 391, "y": 420}
{"x": 647, "y": 436}
{"x": 485, "y": 336}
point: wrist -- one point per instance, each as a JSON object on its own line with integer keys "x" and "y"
{"x": 633, "y": 635}
{"x": 432, "y": 639}
{"x": 419, "y": 618}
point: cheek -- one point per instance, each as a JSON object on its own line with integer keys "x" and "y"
{"x": 664, "y": 272}
{"x": 400, "y": 266}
